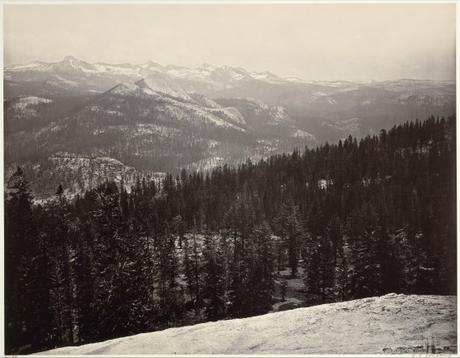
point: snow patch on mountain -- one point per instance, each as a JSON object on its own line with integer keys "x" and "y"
{"x": 299, "y": 133}
{"x": 174, "y": 103}
{"x": 78, "y": 65}
{"x": 35, "y": 66}
{"x": 117, "y": 69}
{"x": 259, "y": 104}
{"x": 419, "y": 99}
{"x": 27, "y": 106}
{"x": 190, "y": 74}
{"x": 267, "y": 77}
{"x": 196, "y": 114}
{"x": 162, "y": 84}
{"x": 98, "y": 109}
{"x": 350, "y": 125}
{"x": 208, "y": 163}
{"x": 230, "y": 113}
{"x": 295, "y": 79}
{"x": 278, "y": 114}
{"x": 203, "y": 100}
{"x": 24, "y": 102}
{"x": 143, "y": 129}
{"x": 319, "y": 94}
{"x": 125, "y": 89}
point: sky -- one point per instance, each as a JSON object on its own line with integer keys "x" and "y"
{"x": 310, "y": 41}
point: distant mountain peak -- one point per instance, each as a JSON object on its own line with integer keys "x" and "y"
{"x": 70, "y": 58}
{"x": 74, "y": 61}
{"x": 151, "y": 64}
{"x": 208, "y": 66}
{"x": 142, "y": 83}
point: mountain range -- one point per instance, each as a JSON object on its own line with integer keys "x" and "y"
{"x": 76, "y": 123}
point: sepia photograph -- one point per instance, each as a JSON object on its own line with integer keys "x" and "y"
{"x": 229, "y": 178}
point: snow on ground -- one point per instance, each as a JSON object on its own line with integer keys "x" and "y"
{"x": 35, "y": 66}
{"x": 116, "y": 69}
{"x": 142, "y": 129}
{"x": 229, "y": 112}
{"x": 27, "y": 106}
{"x": 191, "y": 112}
{"x": 387, "y": 324}
{"x": 24, "y": 102}
{"x": 124, "y": 89}
{"x": 207, "y": 163}
{"x": 299, "y": 133}
{"x": 160, "y": 84}
{"x": 267, "y": 77}
{"x": 278, "y": 114}
{"x": 294, "y": 294}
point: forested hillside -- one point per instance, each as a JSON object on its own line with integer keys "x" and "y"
{"x": 361, "y": 218}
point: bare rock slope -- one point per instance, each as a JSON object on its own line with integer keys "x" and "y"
{"x": 387, "y": 324}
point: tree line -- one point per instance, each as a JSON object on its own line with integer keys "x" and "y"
{"x": 355, "y": 219}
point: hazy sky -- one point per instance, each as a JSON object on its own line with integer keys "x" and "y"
{"x": 311, "y": 41}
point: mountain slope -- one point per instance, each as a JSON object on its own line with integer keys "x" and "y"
{"x": 387, "y": 324}
{"x": 146, "y": 124}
